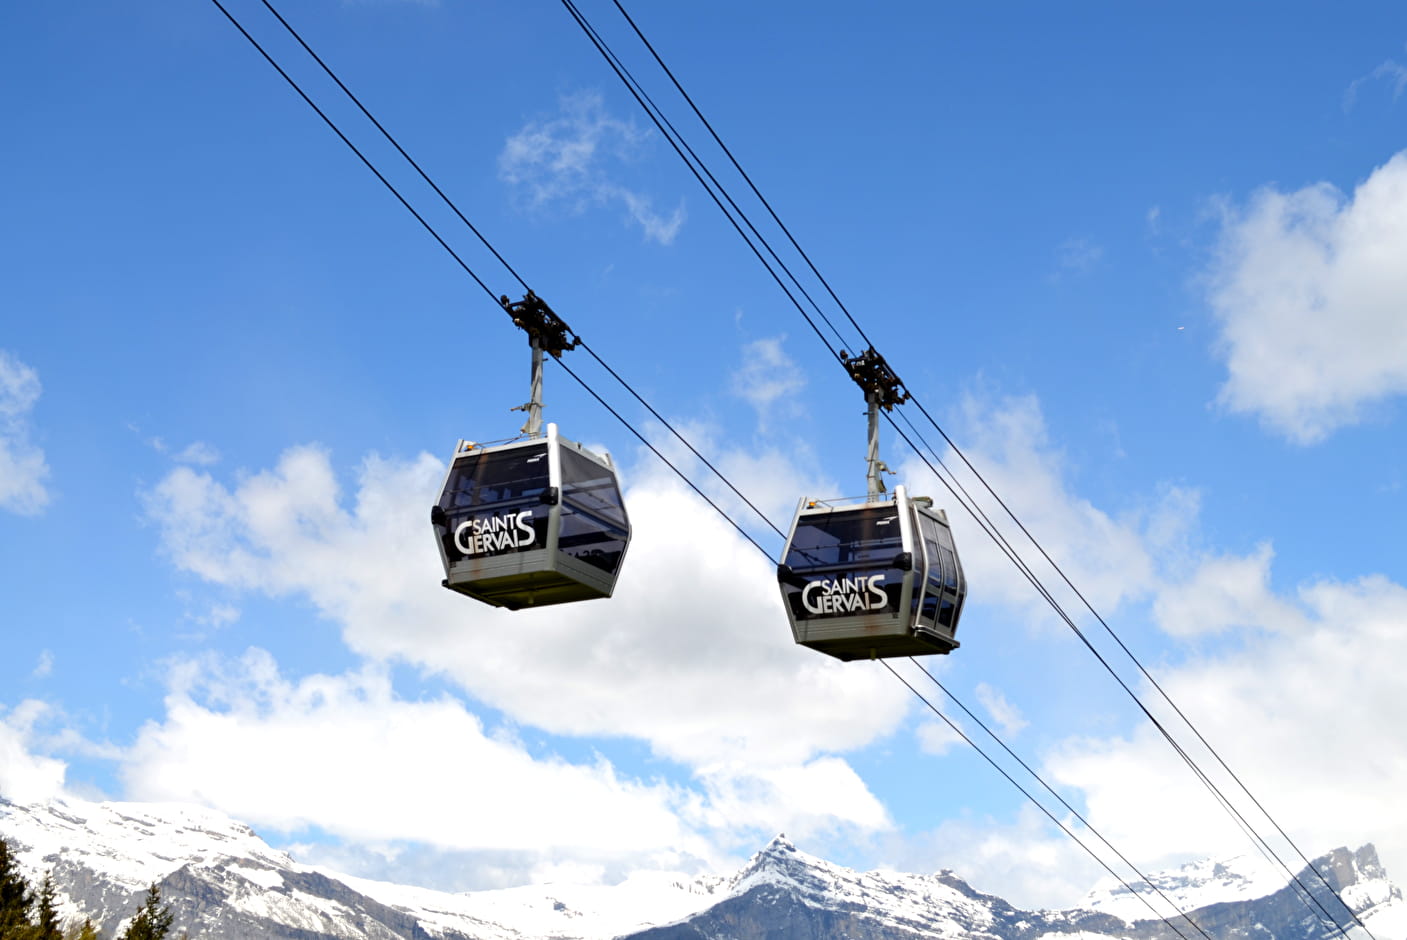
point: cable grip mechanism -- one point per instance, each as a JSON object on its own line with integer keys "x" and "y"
{"x": 547, "y": 332}
{"x": 882, "y": 390}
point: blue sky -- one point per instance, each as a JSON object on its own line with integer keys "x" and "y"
{"x": 1144, "y": 268}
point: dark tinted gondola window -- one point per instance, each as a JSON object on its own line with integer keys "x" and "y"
{"x": 844, "y": 564}
{"x": 591, "y": 539}
{"x": 591, "y": 487}
{"x": 488, "y": 479}
{"x": 493, "y": 503}
{"x": 850, "y": 537}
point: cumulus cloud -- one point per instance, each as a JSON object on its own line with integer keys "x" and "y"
{"x": 1308, "y": 290}
{"x": 1113, "y": 559}
{"x": 689, "y": 653}
{"x": 1004, "y": 713}
{"x": 570, "y": 162}
{"x": 768, "y": 379}
{"x": 1300, "y": 692}
{"x": 1225, "y": 592}
{"x": 199, "y": 453}
{"x": 1025, "y": 860}
{"x": 22, "y": 466}
{"x": 437, "y": 777}
{"x": 27, "y": 776}
{"x": 692, "y": 656}
{"x": 1311, "y": 717}
{"x": 344, "y": 743}
{"x": 937, "y": 737}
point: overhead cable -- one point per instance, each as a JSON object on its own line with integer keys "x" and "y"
{"x": 638, "y": 92}
{"x": 580, "y": 381}
{"x": 445, "y": 245}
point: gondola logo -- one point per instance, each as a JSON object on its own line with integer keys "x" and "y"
{"x": 495, "y": 533}
{"x": 845, "y": 595}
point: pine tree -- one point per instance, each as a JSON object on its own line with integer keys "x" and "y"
{"x": 153, "y": 919}
{"x": 85, "y": 932}
{"x": 15, "y": 898}
{"x": 46, "y": 914}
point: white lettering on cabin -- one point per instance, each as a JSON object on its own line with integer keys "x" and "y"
{"x": 845, "y": 595}
{"x": 495, "y": 533}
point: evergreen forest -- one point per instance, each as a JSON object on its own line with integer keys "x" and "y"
{"x": 28, "y": 912}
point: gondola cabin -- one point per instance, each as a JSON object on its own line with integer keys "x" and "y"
{"x": 531, "y": 523}
{"x": 872, "y": 579}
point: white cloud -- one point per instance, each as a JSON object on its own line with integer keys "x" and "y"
{"x": 1111, "y": 559}
{"x": 346, "y": 743}
{"x": 22, "y": 466}
{"x": 1005, "y": 714}
{"x": 199, "y": 453}
{"x": 1026, "y": 860}
{"x": 937, "y": 737}
{"x": 1391, "y": 71}
{"x": 26, "y": 776}
{"x": 1225, "y": 592}
{"x": 567, "y": 162}
{"x": 45, "y": 666}
{"x": 768, "y": 379}
{"x": 360, "y": 763}
{"x": 1308, "y": 288}
{"x": 1311, "y": 717}
{"x": 1303, "y": 699}
{"x": 692, "y": 649}
{"x": 692, "y": 655}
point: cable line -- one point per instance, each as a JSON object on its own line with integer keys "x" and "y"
{"x": 716, "y": 472}
{"x": 1262, "y": 845}
{"x": 394, "y": 143}
{"x": 498, "y": 302}
{"x": 1154, "y": 683}
{"x": 618, "y": 378}
{"x": 1051, "y": 816}
{"x": 738, "y": 166}
{"x": 670, "y": 464}
{"x": 631, "y": 85}
{"x": 353, "y": 147}
{"x": 1074, "y": 812}
{"x": 679, "y": 148}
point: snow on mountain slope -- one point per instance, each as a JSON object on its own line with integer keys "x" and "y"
{"x": 225, "y": 883}
{"x": 1194, "y": 885}
{"x": 581, "y": 912}
{"x": 133, "y": 844}
{"x": 941, "y": 903}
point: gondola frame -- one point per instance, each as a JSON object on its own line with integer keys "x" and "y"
{"x": 538, "y": 576}
{"x": 878, "y": 634}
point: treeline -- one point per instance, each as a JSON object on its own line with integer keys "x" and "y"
{"x": 27, "y": 913}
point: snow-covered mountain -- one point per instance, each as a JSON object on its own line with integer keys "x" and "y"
{"x": 222, "y": 881}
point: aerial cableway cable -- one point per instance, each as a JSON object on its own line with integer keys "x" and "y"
{"x": 661, "y": 121}
{"x": 954, "y": 487}
{"x": 353, "y": 147}
{"x": 394, "y": 143}
{"x": 952, "y": 725}
{"x": 580, "y": 381}
{"x": 516, "y": 276}
{"x": 697, "y": 167}
{"x": 1263, "y": 845}
{"x": 464, "y": 265}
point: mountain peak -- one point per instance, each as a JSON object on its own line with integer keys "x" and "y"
{"x": 223, "y": 880}
{"x": 780, "y": 845}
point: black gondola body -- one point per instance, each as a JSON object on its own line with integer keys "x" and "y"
{"x": 872, "y": 579}
{"x": 531, "y": 523}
